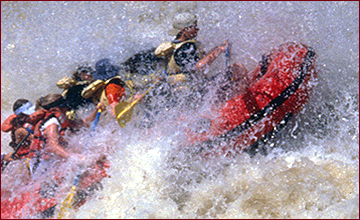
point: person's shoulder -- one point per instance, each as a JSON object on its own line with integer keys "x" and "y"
{"x": 93, "y": 87}
{"x": 6, "y": 125}
{"x": 37, "y": 115}
{"x": 164, "y": 48}
{"x": 66, "y": 82}
{"x": 186, "y": 47}
{"x": 11, "y": 117}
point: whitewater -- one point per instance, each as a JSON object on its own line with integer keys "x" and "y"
{"x": 313, "y": 169}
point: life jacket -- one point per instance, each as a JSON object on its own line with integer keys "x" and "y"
{"x": 72, "y": 94}
{"x": 39, "y": 140}
{"x": 96, "y": 90}
{"x": 29, "y": 126}
{"x": 68, "y": 82}
{"x": 170, "y": 50}
{"x": 25, "y": 146}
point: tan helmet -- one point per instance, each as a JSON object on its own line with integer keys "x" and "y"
{"x": 182, "y": 20}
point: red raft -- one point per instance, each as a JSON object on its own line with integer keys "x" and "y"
{"x": 40, "y": 199}
{"x": 282, "y": 86}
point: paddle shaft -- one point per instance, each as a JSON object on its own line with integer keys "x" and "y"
{"x": 68, "y": 201}
{"x": 3, "y": 165}
{"x": 227, "y": 63}
{"x": 134, "y": 102}
{"x": 96, "y": 120}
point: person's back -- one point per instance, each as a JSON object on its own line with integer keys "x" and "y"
{"x": 73, "y": 86}
{"x": 49, "y": 131}
{"x": 108, "y": 87}
{"x": 185, "y": 55}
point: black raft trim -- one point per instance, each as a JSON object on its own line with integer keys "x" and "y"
{"x": 273, "y": 105}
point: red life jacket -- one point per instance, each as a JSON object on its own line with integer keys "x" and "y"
{"x": 30, "y": 127}
{"x": 25, "y": 146}
{"x": 39, "y": 140}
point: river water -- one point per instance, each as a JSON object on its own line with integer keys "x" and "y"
{"x": 313, "y": 171}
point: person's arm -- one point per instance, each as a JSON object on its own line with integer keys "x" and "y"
{"x": 7, "y": 125}
{"x": 187, "y": 33}
{"x": 7, "y": 157}
{"x": 37, "y": 116}
{"x": 92, "y": 116}
{"x": 51, "y": 133}
{"x": 212, "y": 55}
{"x": 79, "y": 123}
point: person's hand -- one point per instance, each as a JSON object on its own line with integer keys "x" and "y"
{"x": 77, "y": 161}
{"x": 225, "y": 45}
{"x": 189, "y": 32}
{"x": 100, "y": 106}
{"x": 8, "y": 158}
{"x": 77, "y": 158}
{"x": 136, "y": 96}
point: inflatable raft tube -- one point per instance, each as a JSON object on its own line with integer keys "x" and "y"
{"x": 40, "y": 199}
{"x": 285, "y": 79}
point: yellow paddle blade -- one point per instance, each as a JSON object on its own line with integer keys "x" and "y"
{"x": 67, "y": 203}
{"x": 123, "y": 112}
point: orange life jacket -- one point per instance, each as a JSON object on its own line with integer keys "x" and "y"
{"x": 25, "y": 146}
{"x": 30, "y": 127}
{"x": 39, "y": 140}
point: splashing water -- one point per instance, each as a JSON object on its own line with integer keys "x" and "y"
{"x": 312, "y": 171}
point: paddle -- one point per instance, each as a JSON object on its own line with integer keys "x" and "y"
{"x": 68, "y": 201}
{"x": 226, "y": 80}
{"x": 227, "y": 63}
{"x": 96, "y": 119}
{"x": 5, "y": 163}
{"x": 124, "y": 110}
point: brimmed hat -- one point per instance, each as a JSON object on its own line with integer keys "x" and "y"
{"x": 105, "y": 70}
{"x": 27, "y": 109}
{"x": 182, "y": 20}
{"x": 52, "y": 100}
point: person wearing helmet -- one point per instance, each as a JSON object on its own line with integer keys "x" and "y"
{"x": 73, "y": 87}
{"x": 185, "y": 57}
{"x": 108, "y": 87}
{"x": 185, "y": 54}
{"x": 184, "y": 51}
{"x": 19, "y": 124}
{"x": 49, "y": 142}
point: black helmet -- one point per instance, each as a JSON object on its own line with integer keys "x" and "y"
{"x": 105, "y": 70}
{"x": 23, "y": 106}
